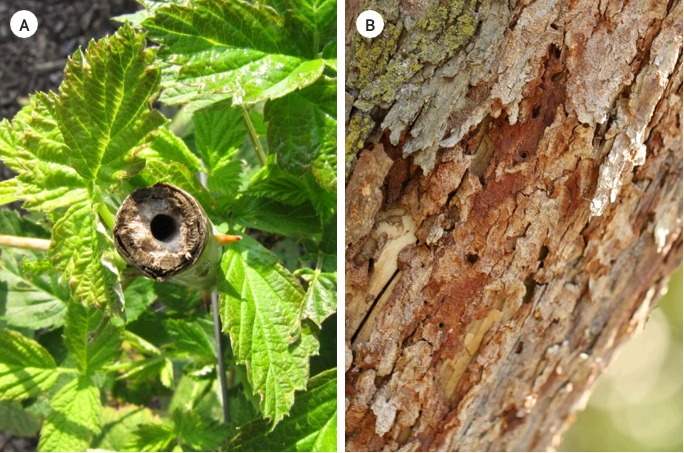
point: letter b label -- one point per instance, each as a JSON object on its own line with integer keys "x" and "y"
{"x": 369, "y": 24}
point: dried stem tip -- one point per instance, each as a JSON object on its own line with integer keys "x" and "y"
{"x": 163, "y": 232}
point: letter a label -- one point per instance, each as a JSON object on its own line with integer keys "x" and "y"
{"x": 24, "y": 24}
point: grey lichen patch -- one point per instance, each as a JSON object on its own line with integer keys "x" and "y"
{"x": 436, "y": 36}
{"x": 162, "y": 231}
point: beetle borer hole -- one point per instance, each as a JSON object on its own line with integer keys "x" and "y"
{"x": 472, "y": 258}
{"x": 163, "y": 227}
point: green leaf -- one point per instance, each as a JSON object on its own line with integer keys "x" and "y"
{"x": 102, "y": 109}
{"x": 324, "y": 201}
{"x": 8, "y": 190}
{"x": 80, "y": 249}
{"x": 197, "y": 433}
{"x": 311, "y": 426}
{"x": 229, "y": 50}
{"x": 314, "y": 21}
{"x": 156, "y": 366}
{"x": 320, "y": 300}
{"x": 260, "y": 303}
{"x": 302, "y": 130}
{"x": 91, "y": 355}
{"x": 118, "y": 426}
{"x": 70, "y": 148}
{"x": 328, "y": 243}
{"x": 219, "y": 134}
{"x": 272, "y": 182}
{"x": 166, "y": 146}
{"x": 151, "y": 437}
{"x": 75, "y": 417}
{"x": 17, "y": 421}
{"x": 272, "y": 216}
{"x": 139, "y": 295}
{"x": 45, "y": 181}
{"x": 26, "y": 368}
{"x": 181, "y": 299}
{"x": 192, "y": 339}
{"x": 36, "y": 301}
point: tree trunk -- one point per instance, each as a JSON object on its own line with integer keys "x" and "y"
{"x": 513, "y": 211}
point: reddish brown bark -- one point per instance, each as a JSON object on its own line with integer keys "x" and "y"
{"x": 508, "y": 224}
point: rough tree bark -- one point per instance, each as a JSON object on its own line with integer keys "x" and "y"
{"x": 513, "y": 211}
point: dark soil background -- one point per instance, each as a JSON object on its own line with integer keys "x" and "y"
{"x": 37, "y": 64}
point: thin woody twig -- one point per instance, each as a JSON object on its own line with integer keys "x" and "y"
{"x": 24, "y": 243}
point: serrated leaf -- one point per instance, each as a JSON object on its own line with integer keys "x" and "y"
{"x": 139, "y": 295}
{"x": 229, "y": 50}
{"x": 78, "y": 249}
{"x": 272, "y": 182}
{"x": 320, "y": 300}
{"x": 166, "y": 146}
{"x": 75, "y": 417}
{"x": 45, "y": 181}
{"x": 8, "y": 190}
{"x": 151, "y": 437}
{"x": 323, "y": 201}
{"x": 302, "y": 130}
{"x": 102, "y": 109}
{"x": 69, "y": 148}
{"x": 192, "y": 339}
{"x": 219, "y": 134}
{"x": 118, "y": 426}
{"x": 313, "y": 22}
{"x": 26, "y": 368}
{"x": 260, "y": 303}
{"x": 272, "y": 216}
{"x": 311, "y": 425}
{"x": 224, "y": 180}
{"x": 197, "y": 433}
{"x": 90, "y": 354}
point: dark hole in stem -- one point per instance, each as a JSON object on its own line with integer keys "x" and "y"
{"x": 163, "y": 227}
{"x": 472, "y": 258}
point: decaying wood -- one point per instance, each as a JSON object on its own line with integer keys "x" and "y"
{"x": 514, "y": 209}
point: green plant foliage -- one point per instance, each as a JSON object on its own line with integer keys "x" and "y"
{"x": 302, "y": 128}
{"x": 230, "y": 50}
{"x": 311, "y": 425}
{"x": 259, "y": 307}
{"x": 118, "y": 426}
{"x": 74, "y": 419}
{"x": 31, "y": 301}
{"x": 69, "y": 148}
{"x": 254, "y": 144}
{"x": 26, "y": 367}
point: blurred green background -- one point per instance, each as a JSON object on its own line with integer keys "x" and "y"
{"x": 637, "y": 404}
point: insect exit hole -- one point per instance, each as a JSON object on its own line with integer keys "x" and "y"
{"x": 163, "y": 228}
